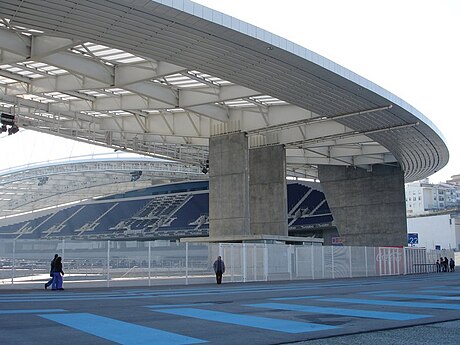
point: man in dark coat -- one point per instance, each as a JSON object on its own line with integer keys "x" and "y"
{"x": 49, "y": 282}
{"x": 219, "y": 269}
{"x": 452, "y": 265}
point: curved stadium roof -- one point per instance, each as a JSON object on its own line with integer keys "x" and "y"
{"x": 50, "y": 184}
{"x": 161, "y": 77}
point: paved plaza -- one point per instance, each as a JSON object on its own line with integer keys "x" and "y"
{"x": 253, "y": 313}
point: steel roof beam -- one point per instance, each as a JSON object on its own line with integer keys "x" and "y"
{"x": 197, "y": 96}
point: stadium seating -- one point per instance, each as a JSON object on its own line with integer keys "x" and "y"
{"x": 160, "y": 212}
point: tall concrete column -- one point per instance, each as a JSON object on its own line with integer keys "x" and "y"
{"x": 368, "y": 206}
{"x": 268, "y": 191}
{"x": 229, "y": 185}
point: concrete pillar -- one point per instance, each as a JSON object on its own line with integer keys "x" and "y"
{"x": 229, "y": 185}
{"x": 268, "y": 191}
{"x": 368, "y": 206}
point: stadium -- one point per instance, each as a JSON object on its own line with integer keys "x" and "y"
{"x": 249, "y": 143}
{"x": 218, "y": 140}
{"x": 182, "y": 82}
{"x": 164, "y": 211}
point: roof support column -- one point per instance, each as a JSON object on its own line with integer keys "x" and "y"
{"x": 247, "y": 188}
{"x": 268, "y": 190}
{"x": 368, "y": 206}
{"x": 229, "y": 185}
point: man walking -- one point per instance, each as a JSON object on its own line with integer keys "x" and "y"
{"x": 219, "y": 269}
{"x": 49, "y": 282}
{"x": 58, "y": 273}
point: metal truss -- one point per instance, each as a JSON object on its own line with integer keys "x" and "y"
{"x": 53, "y": 184}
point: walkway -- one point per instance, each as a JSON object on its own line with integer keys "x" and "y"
{"x": 270, "y": 313}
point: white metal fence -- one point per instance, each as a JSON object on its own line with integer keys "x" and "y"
{"x": 130, "y": 263}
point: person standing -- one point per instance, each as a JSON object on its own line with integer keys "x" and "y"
{"x": 452, "y": 265}
{"x": 49, "y": 282}
{"x": 219, "y": 269}
{"x": 58, "y": 273}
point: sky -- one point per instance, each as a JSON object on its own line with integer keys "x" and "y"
{"x": 409, "y": 47}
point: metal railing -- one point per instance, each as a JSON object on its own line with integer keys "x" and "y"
{"x": 131, "y": 263}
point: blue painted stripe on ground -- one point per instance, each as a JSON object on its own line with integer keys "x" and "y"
{"x": 293, "y": 298}
{"x": 278, "y": 325}
{"x": 447, "y": 291}
{"x": 420, "y": 296}
{"x": 119, "y": 331}
{"x": 376, "y": 292}
{"x": 393, "y": 303}
{"x": 178, "y": 305}
{"x": 341, "y": 311}
{"x": 31, "y": 311}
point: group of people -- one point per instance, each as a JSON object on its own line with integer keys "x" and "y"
{"x": 444, "y": 265}
{"x": 56, "y": 274}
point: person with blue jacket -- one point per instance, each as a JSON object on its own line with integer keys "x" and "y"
{"x": 49, "y": 282}
{"x": 58, "y": 273}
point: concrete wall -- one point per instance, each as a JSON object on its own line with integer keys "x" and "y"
{"x": 268, "y": 191}
{"x": 229, "y": 185}
{"x": 368, "y": 207}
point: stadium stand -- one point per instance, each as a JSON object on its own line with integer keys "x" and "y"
{"x": 161, "y": 212}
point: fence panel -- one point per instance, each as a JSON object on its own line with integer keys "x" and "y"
{"x": 232, "y": 254}
{"x": 416, "y": 261}
{"x": 201, "y": 257}
{"x": 318, "y": 267}
{"x": 279, "y": 267}
{"x": 128, "y": 263}
{"x": 371, "y": 261}
{"x": 304, "y": 262}
{"x": 342, "y": 261}
{"x": 7, "y": 262}
{"x": 389, "y": 260}
{"x": 254, "y": 262}
{"x": 327, "y": 256}
{"x": 359, "y": 264}
{"x": 85, "y": 263}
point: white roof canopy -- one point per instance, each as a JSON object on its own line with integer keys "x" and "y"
{"x": 161, "y": 77}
